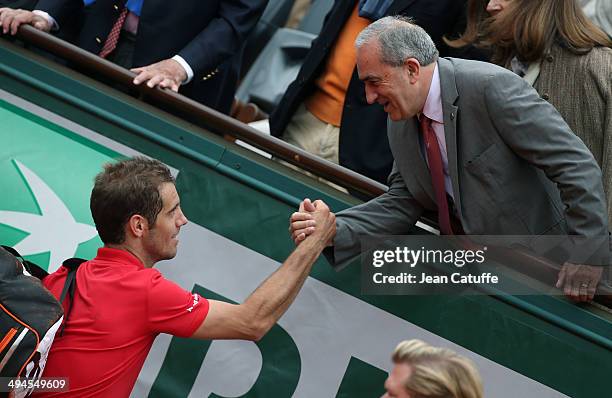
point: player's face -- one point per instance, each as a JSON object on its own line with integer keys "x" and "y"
{"x": 162, "y": 239}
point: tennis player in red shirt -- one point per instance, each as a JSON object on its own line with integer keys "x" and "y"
{"x": 121, "y": 303}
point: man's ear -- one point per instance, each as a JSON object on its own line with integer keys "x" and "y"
{"x": 136, "y": 226}
{"x": 413, "y": 68}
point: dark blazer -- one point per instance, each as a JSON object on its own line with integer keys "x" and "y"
{"x": 208, "y": 34}
{"x": 363, "y": 143}
{"x": 516, "y": 167}
{"x": 23, "y": 4}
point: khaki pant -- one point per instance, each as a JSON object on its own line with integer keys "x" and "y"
{"x": 313, "y": 135}
{"x": 307, "y": 132}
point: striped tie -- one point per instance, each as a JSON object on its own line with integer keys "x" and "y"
{"x": 113, "y": 36}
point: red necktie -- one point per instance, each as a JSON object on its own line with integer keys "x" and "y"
{"x": 434, "y": 158}
{"x": 113, "y": 36}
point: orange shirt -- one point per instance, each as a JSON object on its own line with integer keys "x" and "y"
{"x": 328, "y": 99}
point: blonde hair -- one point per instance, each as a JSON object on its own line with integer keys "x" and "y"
{"x": 528, "y": 28}
{"x": 437, "y": 372}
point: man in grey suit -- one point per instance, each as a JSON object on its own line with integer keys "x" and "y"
{"x": 498, "y": 159}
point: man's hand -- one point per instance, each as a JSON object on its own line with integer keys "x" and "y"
{"x": 302, "y": 223}
{"x": 165, "y": 74}
{"x": 306, "y": 222}
{"x": 579, "y": 282}
{"x": 11, "y": 20}
{"x": 325, "y": 222}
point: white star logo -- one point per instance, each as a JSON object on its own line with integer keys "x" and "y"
{"x": 54, "y": 230}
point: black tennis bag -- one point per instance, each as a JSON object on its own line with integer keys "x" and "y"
{"x": 27, "y": 312}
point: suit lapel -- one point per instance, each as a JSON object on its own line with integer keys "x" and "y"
{"x": 404, "y": 141}
{"x": 450, "y": 111}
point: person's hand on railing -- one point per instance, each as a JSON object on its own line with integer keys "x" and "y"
{"x": 578, "y": 281}
{"x": 11, "y": 20}
{"x": 165, "y": 74}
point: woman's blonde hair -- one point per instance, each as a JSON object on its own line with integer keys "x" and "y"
{"x": 528, "y": 28}
{"x": 437, "y": 372}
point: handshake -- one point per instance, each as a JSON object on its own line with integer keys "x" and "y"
{"x": 313, "y": 219}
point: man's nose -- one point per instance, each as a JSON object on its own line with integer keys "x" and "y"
{"x": 370, "y": 94}
{"x": 182, "y": 219}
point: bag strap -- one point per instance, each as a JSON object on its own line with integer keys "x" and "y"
{"x": 33, "y": 269}
{"x": 69, "y": 286}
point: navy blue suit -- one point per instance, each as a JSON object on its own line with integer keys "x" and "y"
{"x": 208, "y": 34}
{"x": 23, "y": 4}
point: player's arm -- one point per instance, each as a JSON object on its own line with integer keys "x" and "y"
{"x": 252, "y": 319}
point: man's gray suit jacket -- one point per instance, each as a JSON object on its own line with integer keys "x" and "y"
{"x": 515, "y": 165}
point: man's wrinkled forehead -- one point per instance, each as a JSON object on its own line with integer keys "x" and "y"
{"x": 367, "y": 62}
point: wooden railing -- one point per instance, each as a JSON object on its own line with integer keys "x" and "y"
{"x": 199, "y": 114}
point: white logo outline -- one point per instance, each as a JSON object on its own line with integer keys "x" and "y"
{"x": 54, "y": 230}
